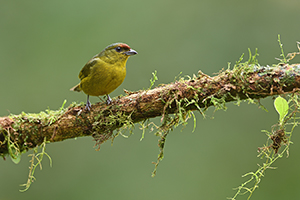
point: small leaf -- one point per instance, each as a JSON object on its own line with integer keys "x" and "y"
{"x": 281, "y": 107}
{"x": 14, "y": 153}
{"x": 16, "y": 159}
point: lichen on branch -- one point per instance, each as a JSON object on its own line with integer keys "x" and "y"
{"x": 244, "y": 81}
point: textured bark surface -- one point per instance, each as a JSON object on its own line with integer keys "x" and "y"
{"x": 200, "y": 92}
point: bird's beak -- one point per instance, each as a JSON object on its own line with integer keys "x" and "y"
{"x": 130, "y": 52}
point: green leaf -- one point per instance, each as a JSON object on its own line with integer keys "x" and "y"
{"x": 282, "y": 107}
{"x": 16, "y": 159}
{"x": 14, "y": 155}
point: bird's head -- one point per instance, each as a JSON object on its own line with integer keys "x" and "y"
{"x": 117, "y": 52}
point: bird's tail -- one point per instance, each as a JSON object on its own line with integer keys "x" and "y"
{"x": 76, "y": 88}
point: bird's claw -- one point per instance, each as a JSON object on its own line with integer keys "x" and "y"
{"x": 109, "y": 100}
{"x": 88, "y": 105}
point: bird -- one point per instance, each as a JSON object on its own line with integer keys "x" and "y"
{"x": 103, "y": 73}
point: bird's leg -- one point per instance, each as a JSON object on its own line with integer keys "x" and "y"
{"x": 108, "y": 99}
{"x": 88, "y": 103}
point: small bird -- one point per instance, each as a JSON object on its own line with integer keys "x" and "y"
{"x": 104, "y": 72}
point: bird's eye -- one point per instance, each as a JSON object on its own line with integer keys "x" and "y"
{"x": 118, "y": 49}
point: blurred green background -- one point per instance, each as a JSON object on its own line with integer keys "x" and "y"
{"x": 44, "y": 45}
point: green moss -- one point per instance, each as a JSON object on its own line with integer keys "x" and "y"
{"x": 44, "y": 118}
{"x": 102, "y": 126}
{"x": 25, "y": 128}
{"x": 36, "y": 160}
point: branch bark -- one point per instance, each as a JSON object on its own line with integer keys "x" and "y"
{"x": 202, "y": 91}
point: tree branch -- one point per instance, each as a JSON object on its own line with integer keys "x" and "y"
{"x": 26, "y": 131}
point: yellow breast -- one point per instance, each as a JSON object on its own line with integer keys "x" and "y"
{"x": 103, "y": 78}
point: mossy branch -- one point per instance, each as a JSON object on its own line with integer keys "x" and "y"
{"x": 244, "y": 81}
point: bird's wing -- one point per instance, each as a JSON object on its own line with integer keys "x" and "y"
{"x": 87, "y": 69}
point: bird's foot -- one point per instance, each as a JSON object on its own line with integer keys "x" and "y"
{"x": 109, "y": 100}
{"x": 88, "y": 105}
